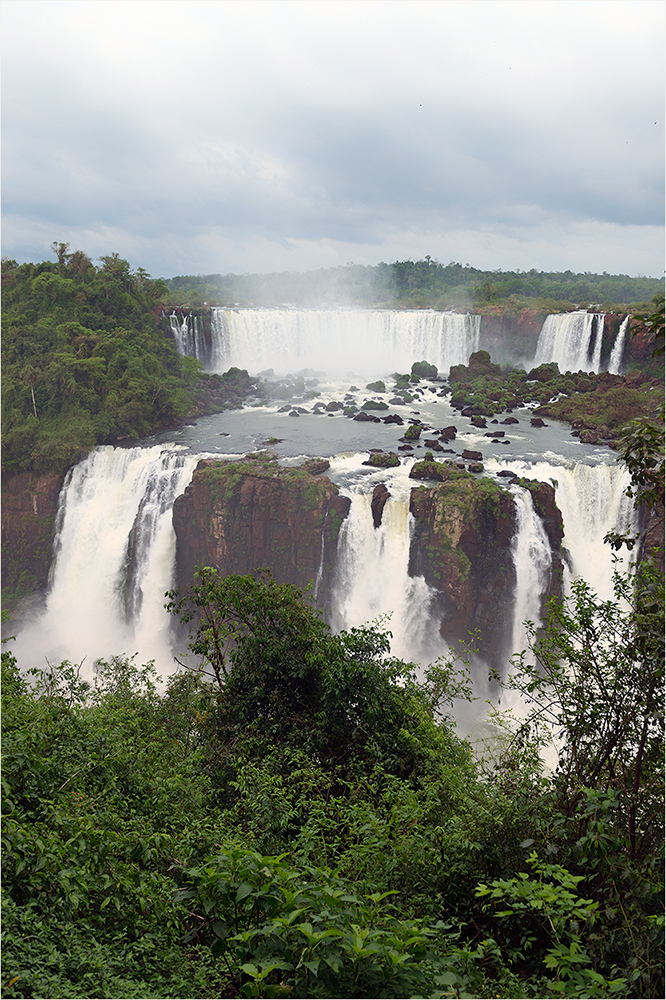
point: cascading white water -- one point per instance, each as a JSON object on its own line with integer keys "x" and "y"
{"x": 338, "y": 340}
{"x": 593, "y": 501}
{"x": 114, "y": 560}
{"x": 188, "y": 335}
{"x": 372, "y": 579}
{"x": 532, "y": 559}
{"x": 618, "y": 347}
{"x": 566, "y": 338}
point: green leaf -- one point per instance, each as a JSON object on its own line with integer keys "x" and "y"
{"x": 243, "y": 891}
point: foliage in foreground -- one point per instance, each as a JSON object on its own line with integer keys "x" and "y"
{"x": 305, "y": 823}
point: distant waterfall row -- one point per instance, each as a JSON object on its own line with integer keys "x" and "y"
{"x": 375, "y": 340}
{"x": 574, "y": 340}
{"x": 335, "y": 340}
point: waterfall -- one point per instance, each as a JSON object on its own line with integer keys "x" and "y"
{"x": 322, "y": 552}
{"x": 189, "y": 336}
{"x": 532, "y": 559}
{"x": 573, "y": 340}
{"x": 372, "y": 579}
{"x": 338, "y": 340}
{"x": 115, "y": 551}
{"x": 593, "y": 501}
{"x": 618, "y": 348}
{"x": 114, "y": 559}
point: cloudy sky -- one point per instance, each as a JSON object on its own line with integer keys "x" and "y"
{"x": 205, "y": 137}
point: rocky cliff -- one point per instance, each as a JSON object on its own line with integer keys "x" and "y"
{"x": 462, "y": 546}
{"x": 510, "y": 335}
{"x": 248, "y": 515}
{"x": 29, "y": 509}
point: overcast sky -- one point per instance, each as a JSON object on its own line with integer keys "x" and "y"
{"x": 205, "y": 137}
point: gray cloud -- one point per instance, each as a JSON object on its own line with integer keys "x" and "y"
{"x": 257, "y": 136}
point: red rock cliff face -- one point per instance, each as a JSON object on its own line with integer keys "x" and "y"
{"x": 510, "y": 335}
{"x": 240, "y": 517}
{"x": 29, "y": 509}
{"x": 462, "y": 546}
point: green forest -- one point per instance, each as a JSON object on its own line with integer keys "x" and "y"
{"x": 83, "y": 361}
{"x": 417, "y": 284}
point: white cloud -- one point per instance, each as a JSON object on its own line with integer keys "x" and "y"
{"x": 261, "y": 135}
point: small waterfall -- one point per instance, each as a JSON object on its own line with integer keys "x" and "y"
{"x": 573, "y": 340}
{"x": 593, "y": 501}
{"x": 618, "y": 347}
{"x": 189, "y": 336}
{"x": 320, "y": 571}
{"x": 114, "y": 559}
{"x": 372, "y": 580}
{"x": 532, "y": 558}
{"x": 338, "y": 340}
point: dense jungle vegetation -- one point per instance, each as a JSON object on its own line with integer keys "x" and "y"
{"x": 417, "y": 284}
{"x": 298, "y": 816}
{"x": 83, "y": 362}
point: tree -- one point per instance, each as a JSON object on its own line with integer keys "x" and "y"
{"x": 282, "y": 674}
{"x": 60, "y": 251}
{"x": 597, "y": 680}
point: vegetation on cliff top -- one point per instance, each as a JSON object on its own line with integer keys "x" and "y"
{"x": 416, "y": 284}
{"x": 223, "y": 476}
{"x": 83, "y": 361}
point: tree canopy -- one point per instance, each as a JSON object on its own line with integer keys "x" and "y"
{"x": 83, "y": 360}
{"x": 416, "y": 283}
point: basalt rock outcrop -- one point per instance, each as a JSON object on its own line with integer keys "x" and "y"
{"x": 380, "y": 495}
{"x": 462, "y": 546}
{"x": 248, "y": 515}
{"x": 29, "y": 510}
{"x": 510, "y": 333}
